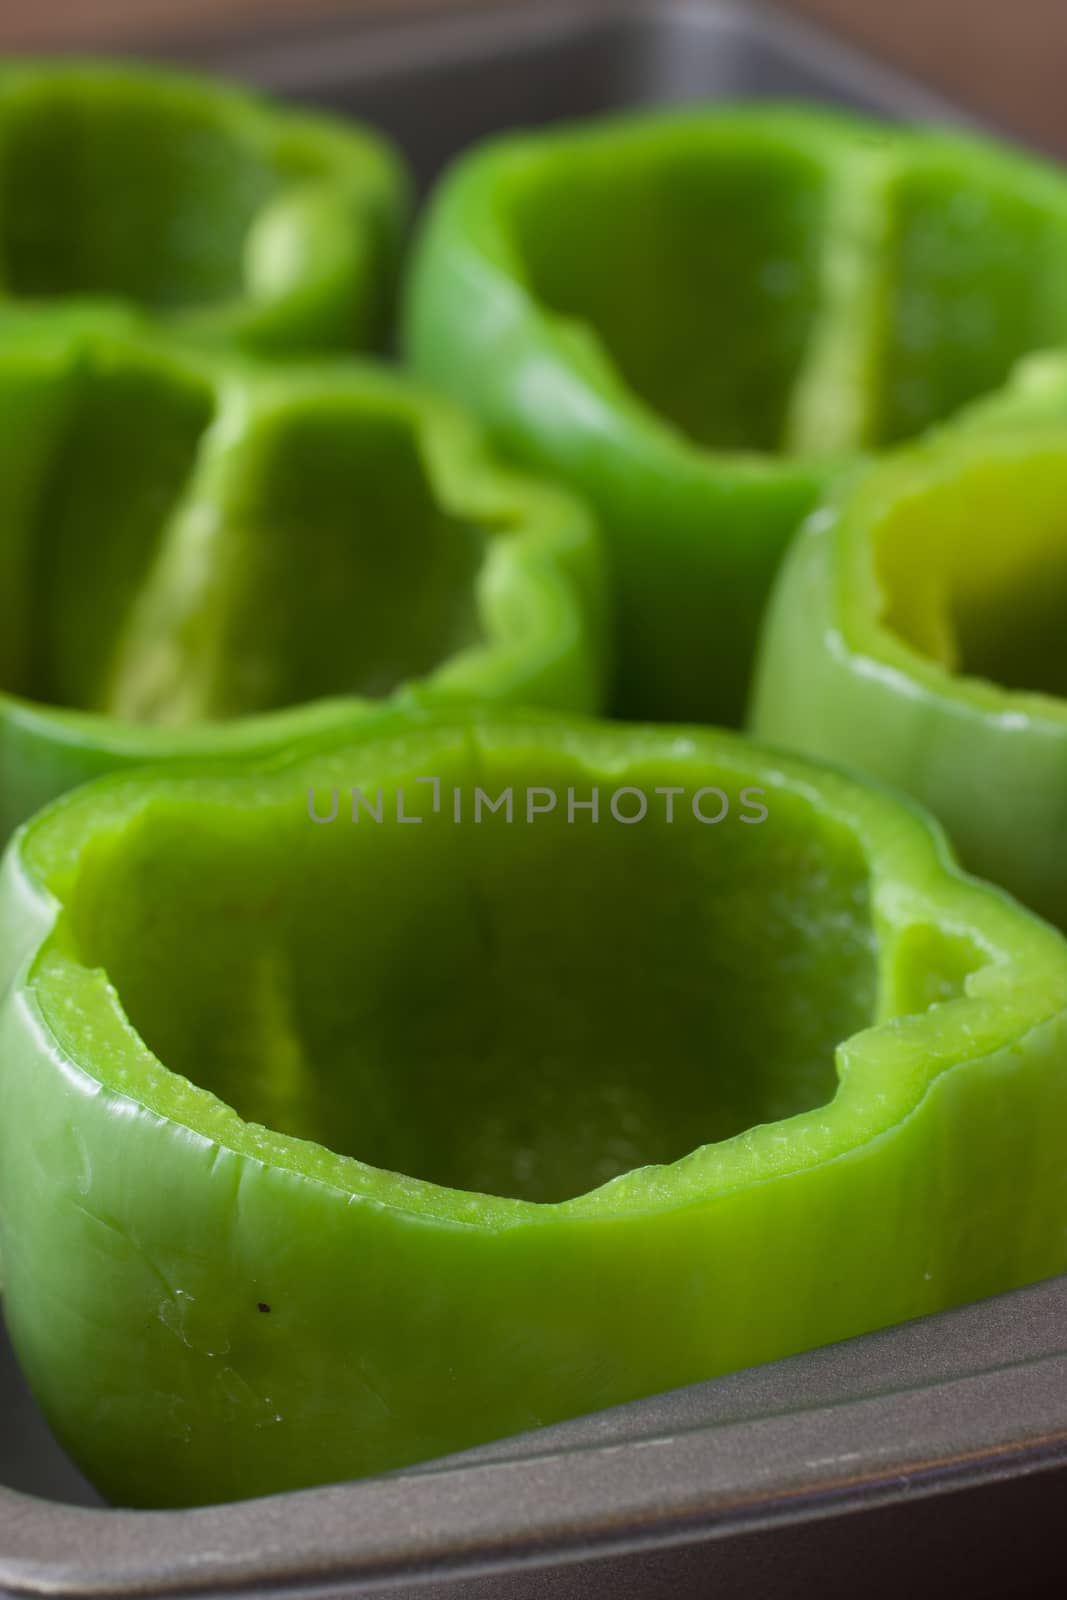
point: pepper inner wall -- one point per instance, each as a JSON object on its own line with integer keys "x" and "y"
{"x": 164, "y": 571}
{"x": 588, "y": 997}
{"x": 192, "y": 186}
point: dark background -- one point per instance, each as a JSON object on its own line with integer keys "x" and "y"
{"x": 1006, "y": 58}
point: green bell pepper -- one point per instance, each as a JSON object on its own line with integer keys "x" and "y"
{"x": 329, "y": 1144}
{"x": 221, "y": 214}
{"x": 690, "y": 317}
{"x": 917, "y": 633}
{"x": 204, "y": 555}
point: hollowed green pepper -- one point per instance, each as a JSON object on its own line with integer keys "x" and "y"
{"x": 207, "y": 207}
{"x": 327, "y": 1146}
{"x": 200, "y": 555}
{"x": 917, "y": 633}
{"x": 692, "y": 316}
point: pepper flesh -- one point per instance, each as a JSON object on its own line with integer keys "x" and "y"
{"x": 224, "y": 216}
{"x": 201, "y": 555}
{"x": 693, "y": 317}
{"x": 518, "y": 1217}
{"x": 916, "y": 633}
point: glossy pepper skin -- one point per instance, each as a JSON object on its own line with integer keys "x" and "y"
{"x": 201, "y": 555}
{"x": 693, "y": 317}
{"x": 327, "y": 1147}
{"x": 917, "y": 633}
{"x": 212, "y": 210}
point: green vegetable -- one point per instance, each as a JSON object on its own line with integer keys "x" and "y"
{"x": 917, "y": 634}
{"x": 329, "y": 1146}
{"x": 204, "y": 556}
{"x": 691, "y": 317}
{"x": 215, "y": 211}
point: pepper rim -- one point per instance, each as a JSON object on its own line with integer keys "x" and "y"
{"x": 475, "y": 205}
{"x": 359, "y": 164}
{"x": 541, "y": 526}
{"x": 848, "y": 522}
{"x": 1020, "y": 987}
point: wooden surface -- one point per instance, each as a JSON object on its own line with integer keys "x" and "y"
{"x": 58, "y": 23}
{"x": 1005, "y": 57}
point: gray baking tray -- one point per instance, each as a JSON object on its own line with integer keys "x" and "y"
{"x": 925, "y": 1459}
{"x": 929, "y": 1459}
{"x": 441, "y": 81}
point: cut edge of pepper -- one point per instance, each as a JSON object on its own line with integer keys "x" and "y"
{"x": 858, "y": 597}
{"x": 540, "y": 594}
{"x": 1020, "y": 986}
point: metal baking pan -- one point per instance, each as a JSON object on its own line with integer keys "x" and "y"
{"x": 922, "y": 1459}
{"x": 927, "y": 1459}
{"x": 439, "y": 82}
